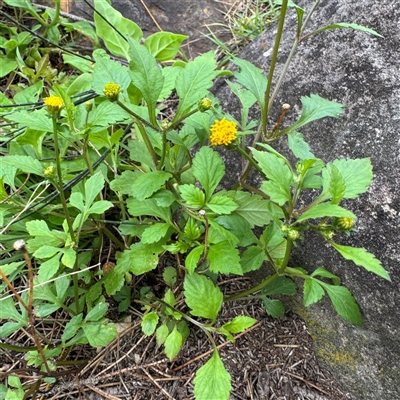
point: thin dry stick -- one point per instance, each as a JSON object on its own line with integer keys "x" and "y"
{"x": 218, "y": 347}
{"x": 307, "y": 382}
{"x": 151, "y": 15}
{"x": 11, "y": 287}
{"x": 162, "y": 389}
{"x": 102, "y": 393}
{"x": 121, "y": 358}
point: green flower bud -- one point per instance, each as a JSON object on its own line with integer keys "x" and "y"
{"x": 343, "y": 223}
{"x": 293, "y": 234}
{"x": 204, "y": 104}
{"x": 89, "y": 106}
{"x": 50, "y": 172}
{"x": 328, "y": 234}
{"x": 111, "y": 90}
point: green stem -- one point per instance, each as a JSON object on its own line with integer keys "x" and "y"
{"x": 251, "y": 161}
{"x": 64, "y": 203}
{"x": 113, "y": 238}
{"x": 137, "y": 117}
{"x": 176, "y": 123}
{"x": 272, "y": 66}
{"x": 147, "y": 142}
{"x": 241, "y": 295}
{"x": 163, "y": 151}
{"x": 285, "y": 261}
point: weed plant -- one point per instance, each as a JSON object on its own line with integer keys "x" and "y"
{"x": 91, "y": 167}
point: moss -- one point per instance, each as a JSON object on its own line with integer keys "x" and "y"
{"x": 325, "y": 346}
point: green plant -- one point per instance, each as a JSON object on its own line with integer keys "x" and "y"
{"x": 103, "y": 146}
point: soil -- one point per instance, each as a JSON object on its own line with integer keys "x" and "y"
{"x": 273, "y": 360}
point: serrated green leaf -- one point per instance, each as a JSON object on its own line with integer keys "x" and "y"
{"x": 169, "y": 276}
{"x": 299, "y": 146}
{"x": 312, "y": 292}
{"x": 49, "y": 268}
{"x": 202, "y": 296}
{"x": 62, "y": 285}
{"x": 343, "y": 302}
{"x": 154, "y": 233}
{"x": 149, "y": 323}
{"x": 46, "y": 251}
{"x": 148, "y": 207}
{"x": 252, "y": 78}
{"x": 273, "y": 307}
{"x": 326, "y": 274}
{"x": 221, "y": 204}
{"x": 69, "y": 258}
{"x": 245, "y": 96}
{"x": 106, "y": 114}
{"x": 164, "y": 45}
{"x": 325, "y": 210}
{"x": 26, "y": 164}
{"x": 316, "y": 107}
{"x": 280, "y": 285}
{"x": 114, "y": 42}
{"x": 100, "y": 334}
{"x": 97, "y": 312}
{"x": 100, "y": 206}
{"x": 239, "y": 324}
{"x": 218, "y": 233}
{"x": 212, "y": 380}
{"x": 146, "y": 75}
{"x": 108, "y": 71}
{"x": 194, "y": 81}
{"x": 170, "y": 74}
{"x": 37, "y": 120}
{"x": 162, "y": 333}
{"x": 239, "y": 227}
{"x": 224, "y": 259}
{"x": 193, "y": 258}
{"x": 192, "y": 195}
{"x": 253, "y": 208}
{"x": 93, "y": 186}
{"x": 337, "y": 185}
{"x": 192, "y": 230}
{"x": 173, "y": 344}
{"x": 363, "y": 258}
{"x": 252, "y": 259}
{"x": 124, "y": 183}
{"x": 278, "y": 173}
{"x": 138, "y": 259}
{"x": 357, "y": 175}
{"x": 147, "y": 184}
{"x": 208, "y": 169}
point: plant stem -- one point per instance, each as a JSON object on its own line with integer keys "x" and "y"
{"x": 147, "y": 142}
{"x": 60, "y": 189}
{"x": 241, "y": 295}
{"x": 285, "y": 261}
{"x": 137, "y": 117}
{"x": 267, "y": 101}
{"x": 251, "y": 161}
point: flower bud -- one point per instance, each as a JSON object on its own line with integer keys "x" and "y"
{"x": 343, "y": 223}
{"x": 111, "y": 90}
{"x": 204, "y": 104}
{"x": 328, "y": 234}
{"x": 50, "y": 172}
{"x": 89, "y": 106}
{"x": 292, "y": 234}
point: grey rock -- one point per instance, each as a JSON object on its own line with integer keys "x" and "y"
{"x": 187, "y": 17}
{"x": 363, "y": 72}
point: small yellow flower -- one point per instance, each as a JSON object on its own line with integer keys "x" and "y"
{"x": 111, "y": 90}
{"x": 54, "y": 104}
{"x": 50, "y": 172}
{"x": 223, "y": 132}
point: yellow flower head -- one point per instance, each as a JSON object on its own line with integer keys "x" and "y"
{"x": 223, "y": 132}
{"x": 54, "y": 104}
{"x": 111, "y": 90}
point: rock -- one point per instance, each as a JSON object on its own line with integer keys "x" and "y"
{"x": 187, "y": 17}
{"x": 363, "y": 72}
